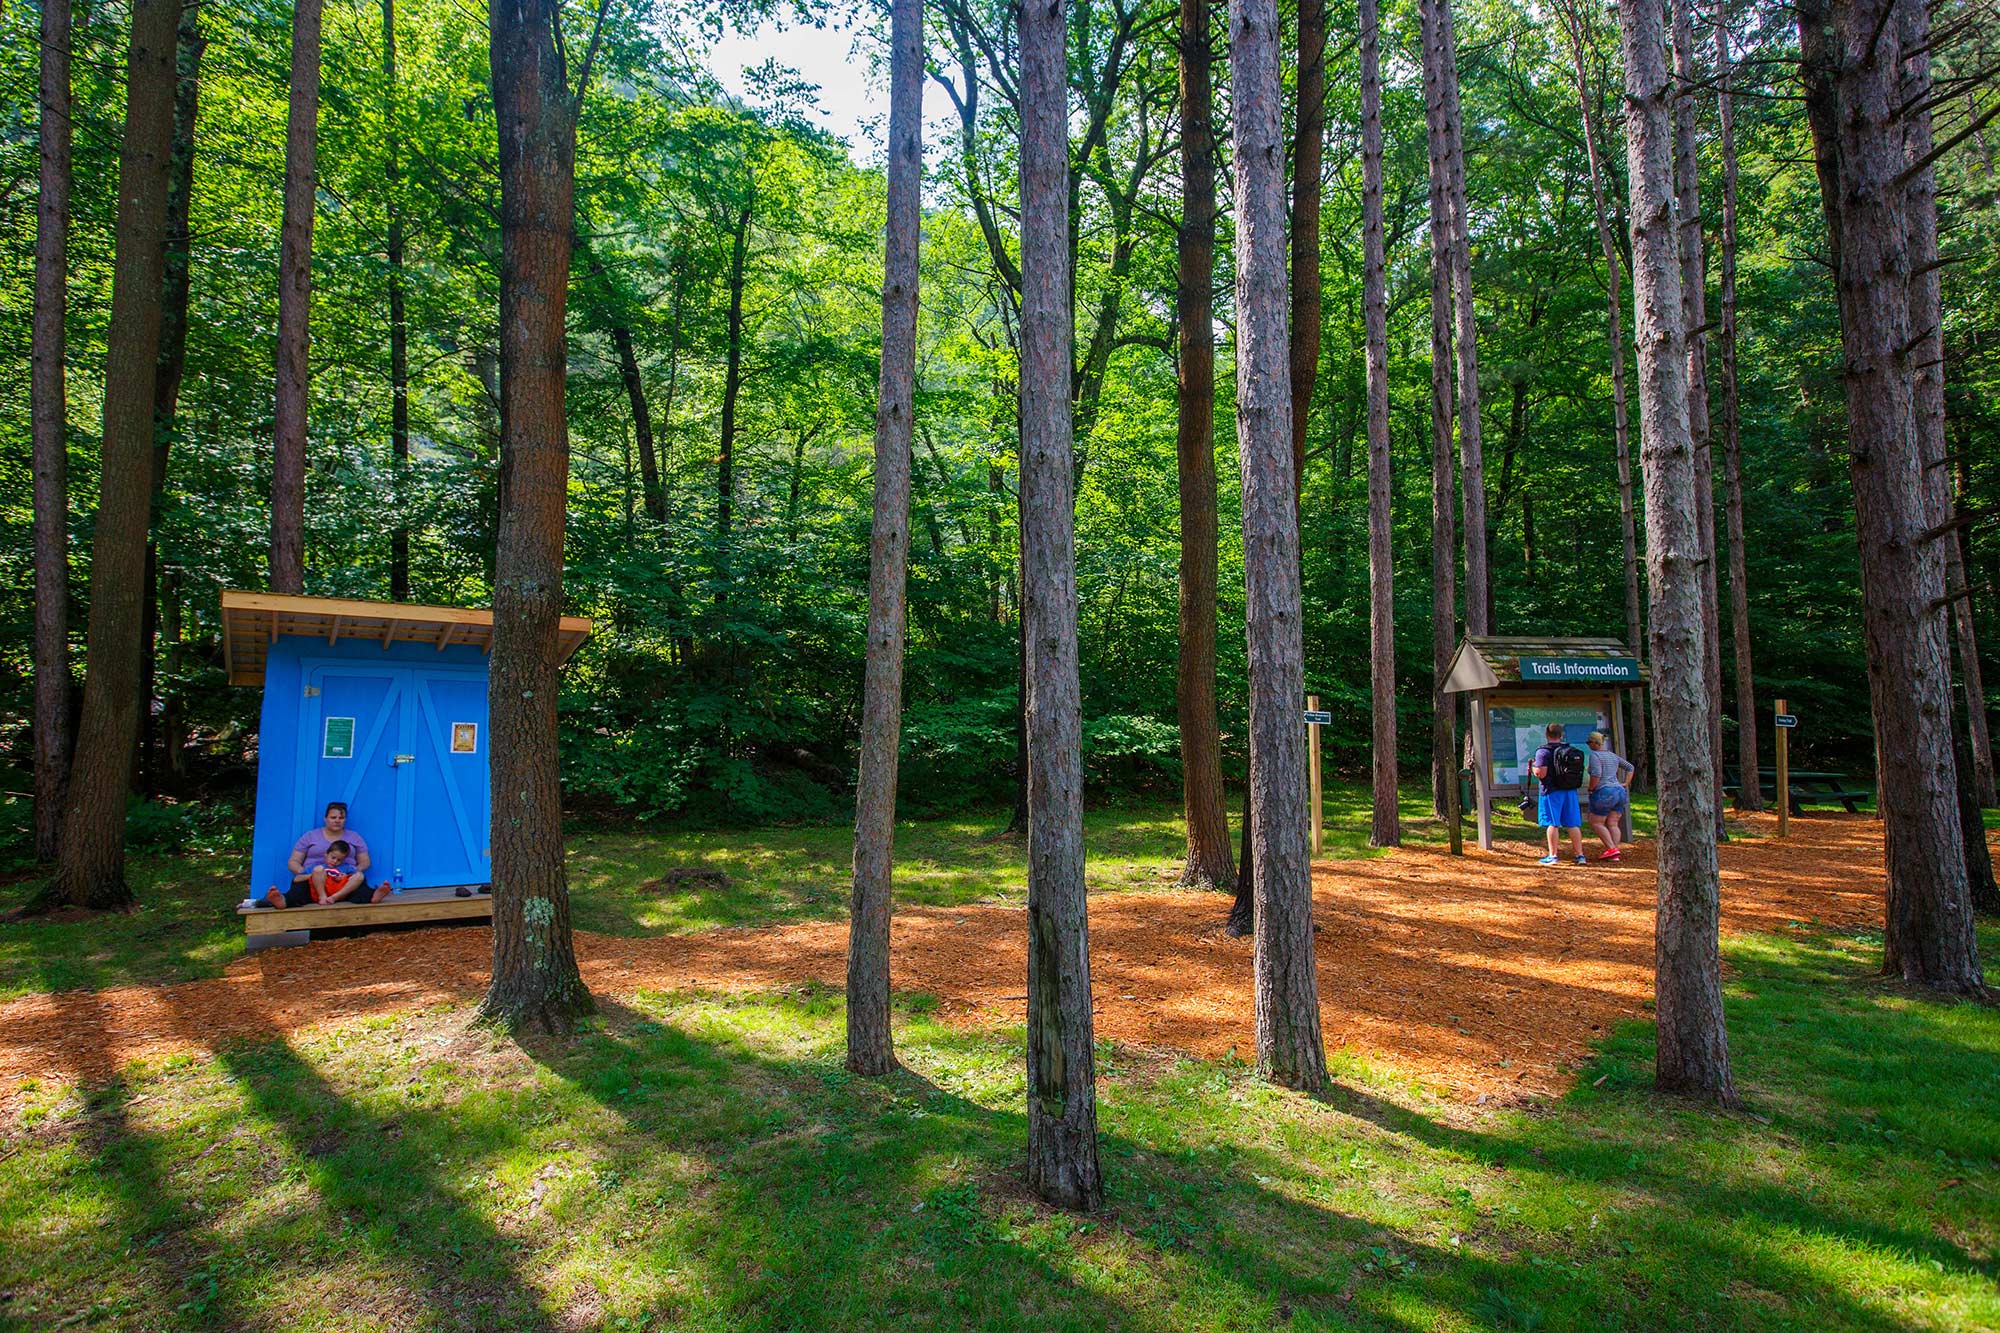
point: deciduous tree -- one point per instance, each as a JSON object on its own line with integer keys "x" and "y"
{"x": 288, "y": 464}
{"x": 870, "y": 1049}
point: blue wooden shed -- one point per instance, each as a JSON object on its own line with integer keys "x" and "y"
{"x": 381, "y": 705}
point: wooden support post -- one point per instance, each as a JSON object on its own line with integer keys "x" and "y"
{"x": 1312, "y": 738}
{"x": 1784, "y": 774}
{"x": 1482, "y": 778}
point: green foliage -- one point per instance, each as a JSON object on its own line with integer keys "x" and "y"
{"x": 723, "y": 682}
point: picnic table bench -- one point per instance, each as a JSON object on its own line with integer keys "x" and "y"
{"x": 265, "y": 926}
{"x": 1808, "y": 788}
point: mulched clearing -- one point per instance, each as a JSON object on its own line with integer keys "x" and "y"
{"x": 1488, "y": 976}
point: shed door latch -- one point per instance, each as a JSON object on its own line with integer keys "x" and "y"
{"x": 312, "y": 691}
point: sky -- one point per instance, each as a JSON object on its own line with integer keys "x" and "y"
{"x": 853, "y": 96}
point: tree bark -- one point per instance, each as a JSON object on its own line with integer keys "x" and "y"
{"x": 1471, "y": 452}
{"x": 1444, "y": 541}
{"x": 1308, "y": 156}
{"x": 1385, "y": 829}
{"x": 1691, "y": 1042}
{"x": 1694, "y": 316}
{"x": 642, "y": 420}
{"x": 1614, "y": 336}
{"x": 1208, "y": 852}
{"x": 535, "y": 981}
{"x": 90, "y": 870}
{"x": 870, "y": 1049}
{"x": 399, "y": 323}
{"x": 1928, "y": 939}
{"x": 188, "y": 47}
{"x": 1062, "y": 1094}
{"x": 288, "y": 464}
{"x": 1750, "y": 793}
{"x": 732, "y": 381}
{"x": 1289, "y": 1046}
{"x": 49, "y": 412}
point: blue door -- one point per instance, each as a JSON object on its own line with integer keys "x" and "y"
{"x": 449, "y": 787}
{"x": 405, "y": 747}
{"x": 354, "y": 729}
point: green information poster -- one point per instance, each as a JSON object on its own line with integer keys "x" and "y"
{"x": 1518, "y": 731}
{"x": 339, "y": 743}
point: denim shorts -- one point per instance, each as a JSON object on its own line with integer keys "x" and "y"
{"x": 1609, "y": 799}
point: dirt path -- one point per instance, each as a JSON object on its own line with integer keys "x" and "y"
{"x": 1484, "y": 976}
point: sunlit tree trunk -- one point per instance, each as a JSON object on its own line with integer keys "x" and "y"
{"x": 288, "y": 464}
{"x": 1614, "y": 336}
{"x": 1471, "y": 451}
{"x": 1444, "y": 547}
{"x": 1694, "y": 317}
{"x": 535, "y": 981}
{"x": 49, "y": 411}
{"x": 732, "y": 381}
{"x": 1062, "y": 1094}
{"x": 1289, "y": 1047}
{"x": 1308, "y": 155}
{"x": 399, "y": 321}
{"x": 90, "y": 870}
{"x": 1384, "y": 826}
{"x": 1750, "y": 794}
{"x": 1208, "y": 859}
{"x": 188, "y": 48}
{"x": 1691, "y": 1046}
{"x": 870, "y": 1049}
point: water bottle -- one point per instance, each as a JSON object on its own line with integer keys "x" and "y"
{"x": 399, "y": 880}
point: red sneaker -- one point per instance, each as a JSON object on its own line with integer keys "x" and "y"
{"x": 1611, "y": 854}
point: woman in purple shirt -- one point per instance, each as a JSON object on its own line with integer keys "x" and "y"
{"x": 309, "y": 855}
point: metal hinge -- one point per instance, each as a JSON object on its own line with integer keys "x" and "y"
{"x": 312, "y": 691}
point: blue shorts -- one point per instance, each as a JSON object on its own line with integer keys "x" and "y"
{"x": 1609, "y": 799}
{"x": 1559, "y": 810}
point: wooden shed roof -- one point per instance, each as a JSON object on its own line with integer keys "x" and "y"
{"x": 1485, "y": 661}
{"x": 253, "y": 621}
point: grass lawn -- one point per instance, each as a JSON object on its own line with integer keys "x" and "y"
{"x": 694, "y": 1162}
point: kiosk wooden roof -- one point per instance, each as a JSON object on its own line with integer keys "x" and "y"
{"x": 1493, "y": 661}
{"x": 253, "y": 621}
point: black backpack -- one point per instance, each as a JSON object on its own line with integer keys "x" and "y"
{"x": 1566, "y": 765}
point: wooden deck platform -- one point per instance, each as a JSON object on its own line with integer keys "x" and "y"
{"x": 409, "y": 905}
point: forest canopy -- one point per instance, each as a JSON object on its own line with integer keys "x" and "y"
{"x": 724, "y": 332}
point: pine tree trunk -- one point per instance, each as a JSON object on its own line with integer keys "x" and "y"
{"x": 1614, "y": 336}
{"x": 1859, "y": 143}
{"x": 1443, "y": 519}
{"x": 1471, "y": 452}
{"x": 535, "y": 981}
{"x": 90, "y": 870}
{"x": 870, "y": 1049}
{"x": 399, "y": 322}
{"x": 1750, "y": 792}
{"x": 1385, "y": 828}
{"x": 1694, "y": 315}
{"x": 1308, "y": 156}
{"x": 1289, "y": 1047}
{"x": 1444, "y": 541}
{"x": 188, "y": 47}
{"x": 1208, "y": 854}
{"x": 1691, "y": 1043}
{"x": 288, "y": 465}
{"x": 1062, "y": 1091}
{"x": 49, "y": 411}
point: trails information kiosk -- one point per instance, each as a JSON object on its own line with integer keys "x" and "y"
{"x": 381, "y": 705}
{"x": 1518, "y": 686}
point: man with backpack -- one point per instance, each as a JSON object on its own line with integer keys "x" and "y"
{"x": 1560, "y": 767}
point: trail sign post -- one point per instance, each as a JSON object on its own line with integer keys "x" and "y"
{"x": 1315, "y": 719}
{"x": 1784, "y": 722}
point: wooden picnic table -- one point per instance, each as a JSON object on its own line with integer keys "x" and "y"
{"x": 1809, "y": 787}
